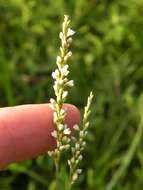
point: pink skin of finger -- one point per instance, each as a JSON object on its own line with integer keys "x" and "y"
{"x": 25, "y": 131}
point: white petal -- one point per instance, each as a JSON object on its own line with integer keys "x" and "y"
{"x": 53, "y": 75}
{"x": 54, "y": 133}
{"x": 70, "y": 83}
{"x": 65, "y": 93}
{"x": 67, "y": 131}
{"x": 79, "y": 171}
{"x": 77, "y": 146}
{"x": 81, "y": 133}
{"x": 75, "y": 176}
{"x": 55, "y": 115}
{"x": 69, "y": 54}
{"x": 70, "y": 32}
{"x": 61, "y": 35}
{"x": 52, "y": 101}
{"x": 80, "y": 157}
{"x": 76, "y": 127}
{"x": 64, "y": 70}
{"x": 59, "y": 59}
{"x": 63, "y": 111}
{"x": 61, "y": 127}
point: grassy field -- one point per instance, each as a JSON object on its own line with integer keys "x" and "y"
{"x": 107, "y": 58}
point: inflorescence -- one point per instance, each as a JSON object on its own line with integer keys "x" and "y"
{"x": 62, "y": 132}
{"x": 61, "y": 82}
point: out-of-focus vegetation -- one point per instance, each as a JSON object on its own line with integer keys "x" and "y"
{"x": 108, "y": 58}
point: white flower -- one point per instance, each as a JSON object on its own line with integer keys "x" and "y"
{"x": 65, "y": 93}
{"x": 84, "y": 143}
{"x": 61, "y": 127}
{"x": 76, "y": 127}
{"x": 69, "y": 40}
{"x": 73, "y": 150}
{"x": 58, "y": 59}
{"x": 62, "y": 147}
{"x": 79, "y": 171}
{"x": 80, "y": 157}
{"x": 70, "y": 83}
{"x": 64, "y": 70}
{"x": 61, "y": 35}
{"x": 81, "y": 133}
{"x": 52, "y": 101}
{"x": 75, "y": 176}
{"x": 69, "y": 54}
{"x": 55, "y": 74}
{"x": 54, "y": 134}
{"x": 50, "y": 153}
{"x": 77, "y": 146}
{"x": 70, "y": 32}
{"x": 62, "y": 111}
{"x": 85, "y": 133}
{"x": 55, "y": 115}
{"x": 67, "y": 131}
{"x": 69, "y": 162}
{"x": 72, "y": 160}
{"x": 55, "y": 86}
{"x": 87, "y": 125}
{"x": 60, "y": 82}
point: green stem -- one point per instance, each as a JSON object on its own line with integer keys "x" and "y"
{"x": 57, "y": 162}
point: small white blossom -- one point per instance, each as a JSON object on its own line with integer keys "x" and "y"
{"x": 70, "y": 40}
{"x": 75, "y": 176}
{"x": 62, "y": 111}
{"x": 65, "y": 93}
{"x": 64, "y": 70}
{"x": 85, "y": 133}
{"x": 69, "y": 162}
{"x": 72, "y": 160}
{"x": 87, "y": 125}
{"x": 80, "y": 157}
{"x": 69, "y": 54}
{"x": 76, "y": 127}
{"x": 79, "y": 171}
{"x": 62, "y": 147}
{"x": 55, "y": 116}
{"x": 77, "y": 146}
{"x": 67, "y": 131}
{"x": 58, "y": 59}
{"x": 70, "y": 32}
{"x": 55, "y": 87}
{"x": 54, "y": 134}
{"x": 60, "y": 82}
{"x": 67, "y": 146}
{"x": 50, "y": 153}
{"x": 52, "y": 101}
{"x": 84, "y": 143}
{"x": 61, "y": 35}
{"x": 55, "y": 74}
{"x": 81, "y": 133}
{"x": 61, "y": 127}
{"x": 70, "y": 83}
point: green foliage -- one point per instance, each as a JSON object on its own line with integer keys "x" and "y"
{"x": 107, "y": 59}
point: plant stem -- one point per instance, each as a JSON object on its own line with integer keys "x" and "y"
{"x": 57, "y": 162}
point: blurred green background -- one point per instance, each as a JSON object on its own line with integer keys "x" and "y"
{"x": 108, "y": 58}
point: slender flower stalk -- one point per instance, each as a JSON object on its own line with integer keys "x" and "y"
{"x": 61, "y": 82}
{"x": 62, "y": 133}
{"x": 79, "y": 143}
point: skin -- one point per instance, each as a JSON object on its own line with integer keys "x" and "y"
{"x": 25, "y": 131}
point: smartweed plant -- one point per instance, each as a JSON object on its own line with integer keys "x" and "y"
{"x": 62, "y": 133}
